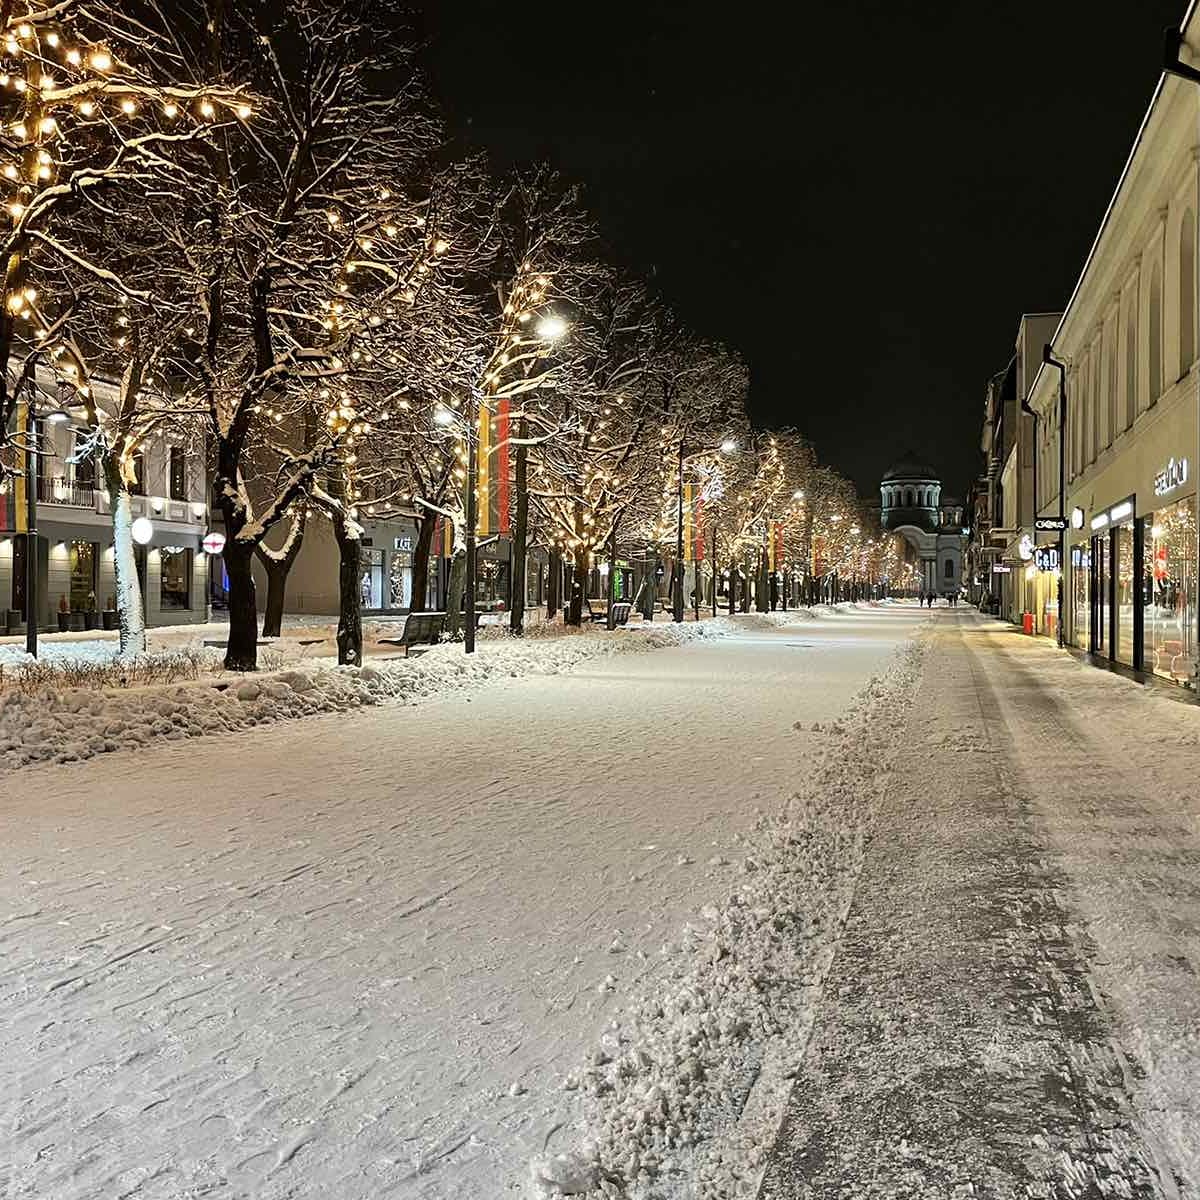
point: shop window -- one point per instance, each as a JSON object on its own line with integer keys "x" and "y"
{"x": 178, "y": 474}
{"x": 371, "y": 579}
{"x": 1126, "y": 582}
{"x": 82, "y": 559}
{"x": 175, "y": 583}
{"x": 400, "y": 580}
{"x": 1169, "y": 591}
{"x": 1154, "y": 355}
{"x": 1081, "y": 623}
{"x": 1187, "y": 293}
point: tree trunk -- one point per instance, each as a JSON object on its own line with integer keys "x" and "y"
{"x": 745, "y": 588}
{"x": 520, "y": 535}
{"x": 579, "y": 577}
{"x": 456, "y": 590}
{"x": 241, "y": 653}
{"x": 131, "y": 618}
{"x": 278, "y": 565}
{"x": 762, "y": 586}
{"x": 349, "y": 630}
{"x": 732, "y": 587}
{"x": 426, "y": 527}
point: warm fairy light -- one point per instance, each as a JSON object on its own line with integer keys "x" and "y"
{"x": 101, "y": 60}
{"x": 171, "y": 109}
{"x": 244, "y": 111}
{"x": 206, "y": 108}
{"x": 128, "y": 106}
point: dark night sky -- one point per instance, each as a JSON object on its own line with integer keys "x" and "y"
{"x": 861, "y": 197}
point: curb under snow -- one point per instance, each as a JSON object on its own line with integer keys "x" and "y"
{"x": 69, "y": 725}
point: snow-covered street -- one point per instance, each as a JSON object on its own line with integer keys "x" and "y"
{"x": 592, "y": 928}
{"x": 362, "y": 954}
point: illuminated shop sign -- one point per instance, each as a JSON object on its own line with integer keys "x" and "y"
{"x": 1045, "y": 558}
{"x": 1172, "y": 476}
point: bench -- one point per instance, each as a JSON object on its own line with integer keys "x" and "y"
{"x": 423, "y": 628}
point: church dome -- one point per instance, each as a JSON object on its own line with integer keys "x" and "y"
{"x": 911, "y": 467}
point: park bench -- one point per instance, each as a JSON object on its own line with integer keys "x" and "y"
{"x": 424, "y": 628}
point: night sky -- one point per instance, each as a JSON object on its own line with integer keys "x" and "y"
{"x": 862, "y": 198}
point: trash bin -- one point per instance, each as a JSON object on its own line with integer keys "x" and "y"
{"x": 1027, "y": 622}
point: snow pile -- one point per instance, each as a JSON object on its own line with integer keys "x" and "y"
{"x": 685, "y": 1093}
{"x": 54, "y": 724}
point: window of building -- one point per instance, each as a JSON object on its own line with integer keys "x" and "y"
{"x": 908, "y": 498}
{"x": 1130, "y": 364}
{"x": 84, "y": 464}
{"x": 1187, "y": 293}
{"x": 178, "y": 473}
{"x": 1154, "y": 354}
{"x": 1110, "y": 385}
{"x": 175, "y": 566}
{"x": 948, "y": 568}
{"x": 138, "y": 486}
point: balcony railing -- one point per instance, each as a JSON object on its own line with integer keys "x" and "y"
{"x": 66, "y": 491}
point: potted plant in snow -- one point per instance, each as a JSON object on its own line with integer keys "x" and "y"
{"x": 108, "y": 617}
{"x": 64, "y": 615}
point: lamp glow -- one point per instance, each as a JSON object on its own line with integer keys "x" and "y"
{"x": 142, "y": 530}
{"x": 551, "y": 328}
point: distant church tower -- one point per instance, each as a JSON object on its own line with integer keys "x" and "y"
{"x": 912, "y": 504}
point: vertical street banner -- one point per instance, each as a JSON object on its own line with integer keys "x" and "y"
{"x": 698, "y": 531}
{"x": 493, "y": 458}
{"x": 818, "y": 551}
{"x": 688, "y": 500}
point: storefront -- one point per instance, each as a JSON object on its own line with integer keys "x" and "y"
{"x": 1133, "y": 582}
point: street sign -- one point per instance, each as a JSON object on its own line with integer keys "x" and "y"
{"x": 213, "y": 543}
{"x": 1001, "y": 569}
{"x": 1050, "y": 524}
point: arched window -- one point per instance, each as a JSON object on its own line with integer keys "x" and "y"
{"x": 908, "y": 498}
{"x": 1187, "y": 292}
{"x": 1154, "y": 333}
{"x": 1131, "y": 341}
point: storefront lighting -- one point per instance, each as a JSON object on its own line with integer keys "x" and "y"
{"x": 1077, "y": 518}
{"x": 142, "y": 530}
{"x": 1120, "y": 511}
{"x": 1099, "y": 520}
{"x": 1157, "y": 531}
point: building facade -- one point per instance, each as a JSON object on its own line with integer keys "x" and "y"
{"x": 76, "y": 584}
{"x": 1128, "y": 342}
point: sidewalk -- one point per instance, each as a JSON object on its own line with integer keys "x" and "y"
{"x": 1012, "y": 1010}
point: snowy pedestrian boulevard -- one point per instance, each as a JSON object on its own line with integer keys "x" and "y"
{"x": 872, "y": 902}
{"x": 1013, "y": 1009}
{"x": 363, "y": 954}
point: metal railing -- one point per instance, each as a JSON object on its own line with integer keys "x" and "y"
{"x": 60, "y": 490}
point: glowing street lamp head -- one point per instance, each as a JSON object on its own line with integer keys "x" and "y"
{"x": 551, "y": 328}
{"x": 728, "y": 446}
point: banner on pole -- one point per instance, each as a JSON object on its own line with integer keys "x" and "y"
{"x": 492, "y": 486}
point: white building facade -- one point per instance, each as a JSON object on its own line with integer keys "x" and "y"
{"x": 76, "y": 586}
{"x": 1128, "y": 339}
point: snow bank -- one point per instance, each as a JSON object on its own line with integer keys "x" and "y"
{"x": 69, "y": 724}
{"x": 684, "y": 1095}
